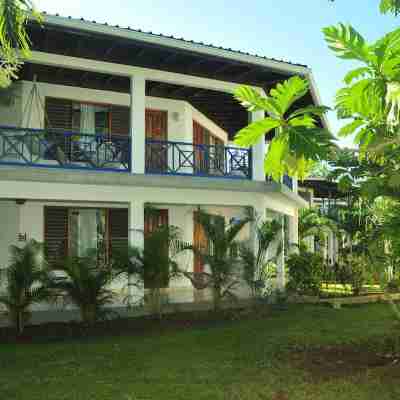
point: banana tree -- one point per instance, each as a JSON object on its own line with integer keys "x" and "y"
{"x": 299, "y": 141}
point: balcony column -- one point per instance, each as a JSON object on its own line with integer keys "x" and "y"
{"x": 138, "y": 123}
{"x": 258, "y": 151}
{"x": 135, "y": 239}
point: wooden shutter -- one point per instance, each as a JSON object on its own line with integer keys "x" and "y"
{"x": 58, "y": 114}
{"x": 56, "y": 233}
{"x": 118, "y": 228}
{"x": 120, "y": 120}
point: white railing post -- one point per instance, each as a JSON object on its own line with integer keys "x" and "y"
{"x": 138, "y": 123}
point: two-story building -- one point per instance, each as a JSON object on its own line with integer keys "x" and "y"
{"x": 106, "y": 120}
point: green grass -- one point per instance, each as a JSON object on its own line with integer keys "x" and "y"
{"x": 247, "y": 359}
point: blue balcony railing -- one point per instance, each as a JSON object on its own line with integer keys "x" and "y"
{"x": 288, "y": 181}
{"x": 181, "y": 158}
{"x": 57, "y": 149}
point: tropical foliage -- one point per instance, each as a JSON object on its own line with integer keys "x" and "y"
{"x": 153, "y": 266}
{"x": 25, "y": 284}
{"x": 258, "y": 266}
{"x": 299, "y": 141}
{"x": 14, "y": 40}
{"x": 221, "y": 256}
{"x": 85, "y": 283}
{"x": 305, "y": 272}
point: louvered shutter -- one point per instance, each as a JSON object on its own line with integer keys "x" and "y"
{"x": 56, "y": 233}
{"x": 58, "y": 114}
{"x": 118, "y": 229}
{"x": 120, "y": 120}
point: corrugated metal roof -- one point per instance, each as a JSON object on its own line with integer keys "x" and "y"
{"x": 160, "y": 35}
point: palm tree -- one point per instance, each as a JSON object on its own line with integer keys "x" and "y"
{"x": 83, "y": 282}
{"x": 14, "y": 40}
{"x": 221, "y": 256}
{"x": 154, "y": 265}
{"x": 25, "y": 284}
{"x": 256, "y": 266}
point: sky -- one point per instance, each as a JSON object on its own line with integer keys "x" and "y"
{"x": 282, "y": 29}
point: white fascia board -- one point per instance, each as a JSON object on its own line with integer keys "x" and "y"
{"x": 153, "y": 39}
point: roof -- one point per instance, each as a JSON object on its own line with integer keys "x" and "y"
{"x": 171, "y": 41}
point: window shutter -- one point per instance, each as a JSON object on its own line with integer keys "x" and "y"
{"x": 118, "y": 228}
{"x": 56, "y": 233}
{"x": 120, "y": 120}
{"x": 58, "y": 114}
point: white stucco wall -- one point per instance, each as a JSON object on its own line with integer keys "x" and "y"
{"x": 180, "y": 113}
{"x": 9, "y": 228}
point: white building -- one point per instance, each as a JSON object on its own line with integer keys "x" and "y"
{"x": 105, "y": 120}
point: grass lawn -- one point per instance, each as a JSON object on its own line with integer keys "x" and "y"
{"x": 256, "y": 358}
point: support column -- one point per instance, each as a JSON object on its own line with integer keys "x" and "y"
{"x": 293, "y": 232}
{"x": 258, "y": 150}
{"x": 138, "y": 123}
{"x": 281, "y": 276}
{"x": 136, "y": 239}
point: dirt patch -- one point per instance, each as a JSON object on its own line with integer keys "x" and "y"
{"x": 335, "y": 362}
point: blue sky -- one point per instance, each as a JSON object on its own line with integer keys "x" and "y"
{"x": 282, "y": 29}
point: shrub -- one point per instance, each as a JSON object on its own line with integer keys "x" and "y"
{"x": 83, "y": 282}
{"x": 25, "y": 284}
{"x": 394, "y": 285}
{"x": 354, "y": 270}
{"x": 305, "y": 272}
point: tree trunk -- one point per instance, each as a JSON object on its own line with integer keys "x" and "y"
{"x": 217, "y": 298}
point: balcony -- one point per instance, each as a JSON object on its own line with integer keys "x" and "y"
{"x": 182, "y": 158}
{"x": 98, "y": 152}
{"x": 71, "y": 150}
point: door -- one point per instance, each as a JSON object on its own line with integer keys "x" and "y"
{"x": 157, "y": 135}
{"x": 200, "y": 241}
{"x": 154, "y": 219}
{"x": 201, "y": 139}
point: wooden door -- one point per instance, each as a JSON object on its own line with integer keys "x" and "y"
{"x": 153, "y": 220}
{"x": 157, "y": 134}
{"x": 200, "y": 241}
{"x": 201, "y": 138}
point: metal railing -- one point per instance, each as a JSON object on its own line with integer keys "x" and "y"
{"x": 58, "y": 149}
{"x": 182, "y": 158}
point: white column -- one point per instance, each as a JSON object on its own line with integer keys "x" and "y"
{"x": 138, "y": 123}
{"x": 136, "y": 239}
{"x": 294, "y": 231}
{"x": 281, "y": 278}
{"x": 258, "y": 150}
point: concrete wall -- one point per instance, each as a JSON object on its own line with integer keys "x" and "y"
{"x": 180, "y": 113}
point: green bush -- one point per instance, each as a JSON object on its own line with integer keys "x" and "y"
{"x": 354, "y": 270}
{"x": 305, "y": 272}
{"x": 394, "y": 285}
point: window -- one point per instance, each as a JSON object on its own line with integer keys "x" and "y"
{"x": 91, "y": 118}
{"x": 87, "y": 231}
{"x": 69, "y": 115}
